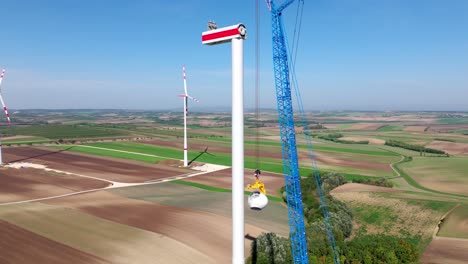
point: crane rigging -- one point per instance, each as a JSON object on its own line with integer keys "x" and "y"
{"x": 283, "y": 75}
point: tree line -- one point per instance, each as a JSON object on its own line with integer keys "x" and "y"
{"x": 270, "y": 248}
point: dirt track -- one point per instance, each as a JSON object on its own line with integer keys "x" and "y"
{"x": 27, "y": 183}
{"x": 21, "y": 246}
{"x": 120, "y": 170}
{"x": 444, "y": 250}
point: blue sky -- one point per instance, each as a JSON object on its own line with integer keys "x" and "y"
{"x": 353, "y": 54}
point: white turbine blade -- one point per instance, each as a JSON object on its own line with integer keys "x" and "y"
{"x": 185, "y": 79}
{"x": 194, "y": 99}
{"x": 1, "y": 77}
{"x": 1, "y": 98}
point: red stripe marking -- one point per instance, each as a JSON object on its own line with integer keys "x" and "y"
{"x": 222, "y": 34}
{"x": 185, "y": 148}
{"x": 4, "y": 108}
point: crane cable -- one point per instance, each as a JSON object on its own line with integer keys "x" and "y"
{"x": 257, "y": 84}
{"x": 297, "y": 31}
{"x": 306, "y": 132}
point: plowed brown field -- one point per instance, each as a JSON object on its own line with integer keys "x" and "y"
{"x": 207, "y": 233}
{"x": 120, "y": 170}
{"x": 28, "y": 183}
{"x": 444, "y": 250}
{"x": 21, "y": 246}
{"x": 451, "y": 148}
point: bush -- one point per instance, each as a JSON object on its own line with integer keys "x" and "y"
{"x": 399, "y": 144}
{"x": 380, "y": 249}
{"x": 332, "y": 180}
{"x": 377, "y": 182}
{"x": 270, "y": 248}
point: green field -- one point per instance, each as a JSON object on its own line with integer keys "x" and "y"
{"x": 25, "y": 140}
{"x": 110, "y": 153}
{"x": 455, "y": 225}
{"x": 268, "y": 164}
{"x": 63, "y": 131}
{"x": 437, "y": 173}
{"x": 453, "y": 120}
{"x": 391, "y": 128}
{"x": 344, "y": 126}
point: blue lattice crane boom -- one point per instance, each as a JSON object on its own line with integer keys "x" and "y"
{"x": 288, "y": 136}
{"x": 288, "y": 143}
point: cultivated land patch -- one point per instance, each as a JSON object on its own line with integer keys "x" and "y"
{"x": 451, "y": 148}
{"x": 119, "y": 170}
{"x": 64, "y": 131}
{"x": 391, "y": 128}
{"x": 448, "y": 175}
{"x": 273, "y": 218}
{"x": 415, "y": 128}
{"x": 28, "y": 183}
{"x": 456, "y": 223}
{"x": 114, "y": 242}
{"x": 206, "y": 233}
{"x": 444, "y": 250}
{"x": 447, "y": 128}
{"x": 357, "y": 187}
{"x": 361, "y": 161}
{"x": 223, "y": 179}
{"x": 365, "y": 126}
{"x": 22, "y": 246}
{"x": 374, "y": 214}
{"x": 374, "y": 141}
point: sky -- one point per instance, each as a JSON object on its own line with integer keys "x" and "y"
{"x": 353, "y": 54}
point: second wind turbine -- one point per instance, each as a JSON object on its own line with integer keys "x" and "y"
{"x": 186, "y": 96}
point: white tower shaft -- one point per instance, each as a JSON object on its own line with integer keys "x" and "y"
{"x": 185, "y": 119}
{"x": 236, "y": 35}
{"x": 238, "y": 238}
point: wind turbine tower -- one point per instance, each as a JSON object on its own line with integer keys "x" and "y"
{"x": 4, "y": 109}
{"x": 186, "y": 96}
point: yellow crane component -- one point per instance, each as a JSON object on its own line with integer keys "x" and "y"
{"x": 257, "y": 185}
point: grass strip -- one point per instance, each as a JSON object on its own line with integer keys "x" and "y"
{"x": 110, "y": 153}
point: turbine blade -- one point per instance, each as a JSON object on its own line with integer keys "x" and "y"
{"x": 1, "y": 98}
{"x": 194, "y": 99}
{"x": 185, "y": 79}
{"x": 1, "y": 77}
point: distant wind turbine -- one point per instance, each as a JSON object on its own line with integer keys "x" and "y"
{"x": 4, "y": 109}
{"x": 186, "y": 96}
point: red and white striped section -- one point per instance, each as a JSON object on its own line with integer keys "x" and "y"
{"x": 1, "y": 98}
{"x": 223, "y": 35}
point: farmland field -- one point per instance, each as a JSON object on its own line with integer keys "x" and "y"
{"x": 148, "y": 151}
{"x": 438, "y": 173}
{"x": 456, "y": 223}
{"x": 63, "y": 131}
